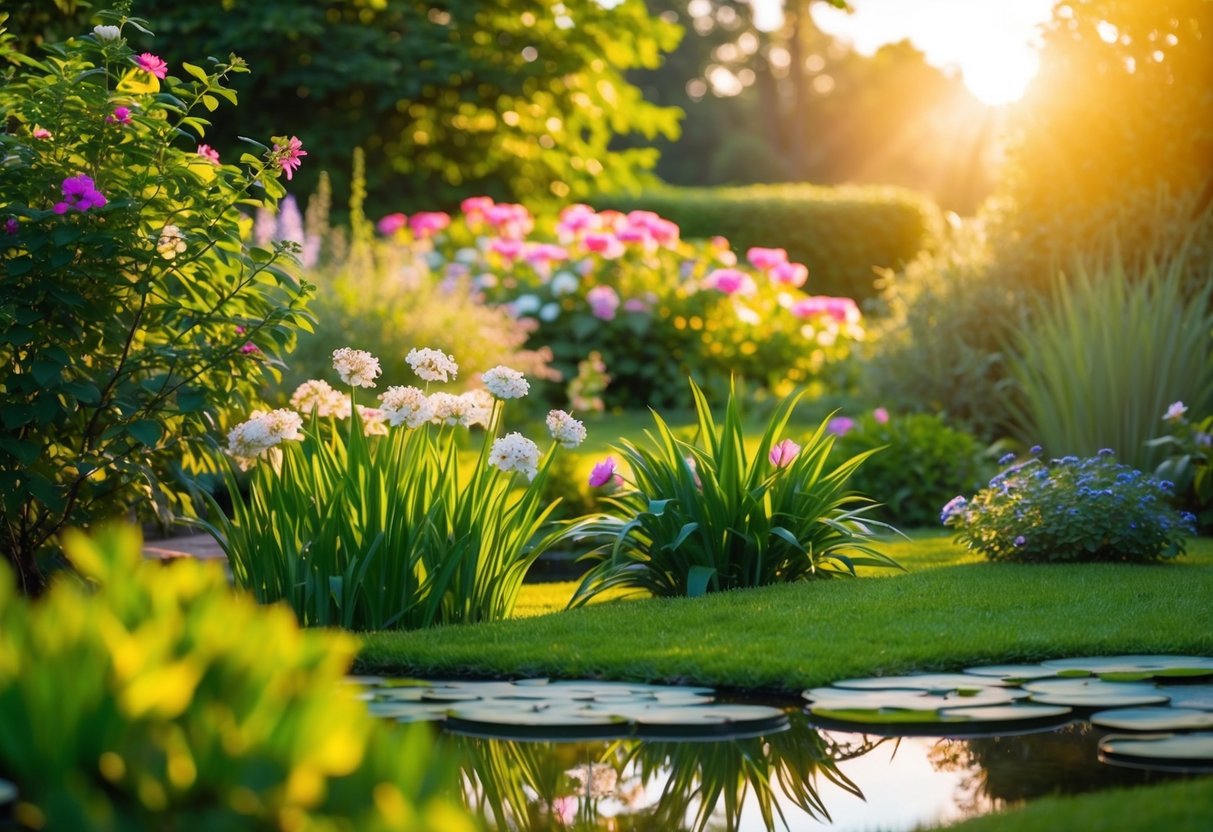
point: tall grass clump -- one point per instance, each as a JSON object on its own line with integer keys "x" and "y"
{"x": 1111, "y": 349}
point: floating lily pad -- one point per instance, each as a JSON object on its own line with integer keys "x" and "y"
{"x": 1004, "y": 714}
{"x": 1192, "y": 665}
{"x": 925, "y": 681}
{"x": 544, "y": 723}
{"x": 713, "y": 721}
{"x": 1099, "y": 701}
{"x": 1153, "y": 719}
{"x": 1013, "y": 673}
{"x": 906, "y": 699}
{"x": 1191, "y": 696}
{"x": 1089, "y": 686}
{"x": 1184, "y": 751}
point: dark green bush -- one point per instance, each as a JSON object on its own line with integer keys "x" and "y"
{"x": 842, "y": 234}
{"x": 921, "y": 464}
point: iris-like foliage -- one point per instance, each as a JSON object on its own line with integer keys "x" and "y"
{"x": 707, "y": 515}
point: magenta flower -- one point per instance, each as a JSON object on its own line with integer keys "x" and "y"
{"x": 790, "y": 274}
{"x": 121, "y": 115}
{"x": 428, "y": 223}
{"x": 603, "y": 472}
{"x": 766, "y": 258}
{"x": 636, "y": 305}
{"x": 605, "y": 244}
{"x": 664, "y": 232}
{"x": 730, "y": 282}
{"x": 840, "y": 425}
{"x": 152, "y": 64}
{"x": 840, "y": 309}
{"x": 250, "y": 348}
{"x": 42, "y": 133}
{"x": 544, "y": 254}
{"x": 11, "y": 225}
{"x": 80, "y": 194}
{"x": 287, "y": 156}
{"x": 475, "y": 207}
{"x": 783, "y": 453}
{"x": 511, "y": 220}
{"x": 209, "y": 153}
{"x": 881, "y": 416}
{"x": 507, "y": 249}
{"x": 389, "y": 225}
{"x": 603, "y": 301}
{"x": 574, "y": 220}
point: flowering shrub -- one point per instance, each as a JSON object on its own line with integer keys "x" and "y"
{"x": 1071, "y": 509}
{"x": 143, "y": 699}
{"x": 654, "y": 307}
{"x": 363, "y": 516}
{"x": 1191, "y": 451}
{"x": 131, "y": 313}
{"x": 704, "y": 516}
{"x": 922, "y": 462}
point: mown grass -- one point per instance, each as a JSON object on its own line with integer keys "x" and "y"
{"x": 949, "y": 610}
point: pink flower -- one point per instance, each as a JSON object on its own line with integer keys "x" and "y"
{"x": 475, "y": 207}
{"x": 603, "y": 301}
{"x": 790, "y": 274}
{"x": 428, "y": 223}
{"x": 602, "y": 473}
{"x": 508, "y": 249}
{"x": 287, "y": 156}
{"x": 152, "y": 64}
{"x": 840, "y": 309}
{"x": 636, "y": 305}
{"x": 633, "y": 235}
{"x": 694, "y": 471}
{"x": 545, "y": 253}
{"x": 605, "y": 244}
{"x": 511, "y": 220}
{"x": 389, "y": 225}
{"x": 664, "y": 232}
{"x": 766, "y": 258}
{"x": 840, "y": 425}
{"x": 783, "y": 453}
{"x": 80, "y": 194}
{"x": 881, "y": 416}
{"x": 121, "y": 115}
{"x": 575, "y": 219}
{"x": 42, "y": 133}
{"x": 730, "y": 282}
{"x": 209, "y": 153}
{"x": 249, "y": 348}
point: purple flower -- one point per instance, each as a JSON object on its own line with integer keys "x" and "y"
{"x": 603, "y": 472}
{"x": 11, "y": 225}
{"x": 954, "y": 507}
{"x": 1006, "y": 458}
{"x": 80, "y": 194}
{"x": 1035, "y": 450}
{"x": 120, "y": 116}
{"x": 1020, "y": 540}
{"x": 603, "y": 301}
{"x": 783, "y": 453}
{"x": 840, "y": 425}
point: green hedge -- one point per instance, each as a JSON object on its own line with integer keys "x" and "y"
{"x": 842, "y": 234}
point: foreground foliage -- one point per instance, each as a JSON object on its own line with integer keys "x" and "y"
{"x": 143, "y": 700}
{"x": 706, "y": 516}
{"x": 127, "y": 297}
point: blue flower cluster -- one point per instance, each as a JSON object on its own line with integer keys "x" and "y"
{"x": 1068, "y": 509}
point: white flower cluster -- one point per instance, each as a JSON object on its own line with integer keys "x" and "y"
{"x": 171, "y": 242}
{"x": 505, "y": 383}
{"x": 514, "y": 452}
{"x": 254, "y": 438}
{"x": 466, "y": 410}
{"x": 406, "y": 406}
{"x": 432, "y": 365}
{"x": 357, "y": 368}
{"x": 566, "y": 430}
{"x": 374, "y": 421}
{"x": 317, "y": 395}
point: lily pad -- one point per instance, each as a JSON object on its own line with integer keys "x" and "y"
{"x": 1191, "y": 696}
{"x": 1098, "y": 701}
{"x": 924, "y": 681}
{"x": 543, "y": 723}
{"x": 1135, "y": 664}
{"x": 1013, "y": 673}
{"x": 1153, "y": 719}
{"x": 1089, "y": 686}
{"x": 1009, "y": 714}
{"x": 1187, "y": 751}
{"x": 712, "y": 721}
{"x": 918, "y": 700}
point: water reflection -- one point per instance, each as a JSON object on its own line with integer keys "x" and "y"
{"x": 800, "y": 778}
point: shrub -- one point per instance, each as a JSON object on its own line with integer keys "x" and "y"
{"x": 131, "y": 313}
{"x": 1190, "y": 453}
{"x": 145, "y": 699}
{"x": 938, "y": 338}
{"x": 706, "y": 516}
{"x": 1096, "y": 365}
{"x": 844, "y": 234}
{"x": 375, "y": 523}
{"x": 922, "y": 462}
{"x": 1092, "y": 509}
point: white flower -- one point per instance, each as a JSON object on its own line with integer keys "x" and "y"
{"x": 357, "y": 368}
{"x": 262, "y": 431}
{"x": 566, "y": 430}
{"x": 1175, "y": 412}
{"x": 514, "y": 452}
{"x": 106, "y": 34}
{"x": 564, "y": 283}
{"x": 505, "y": 383}
{"x": 453, "y": 410}
{"x": 317, "y": 395}
{"x": 171, "y": 242}
{"x": 374, "y": 421}
{"x": 480, "y": 402}
{"x": 527, "y": 304}
{"x": 406, "y": 406}
{"x": 549, "y": 312}
{"x": 432, "y": 365}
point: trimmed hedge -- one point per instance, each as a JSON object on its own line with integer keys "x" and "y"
{"x": 842, "y": 234}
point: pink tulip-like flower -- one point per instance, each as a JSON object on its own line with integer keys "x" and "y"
{"x": 840, "y": 425}
{"x": 603, "y": 301}
{"x": 783, "y": 453}
{"x": 80, "y": 194}
{"x": 428, "y": 223}
{"x": 508, "y": 249}
{"x": 730, "y": 282}
{"x": 881, "y": 416}
{"x": 209, "y": 153}
{"x": 790, "y": 274}
{"x": 389, "y": 225}
{"x": 120, "y": 115}
{"x": 152, "y": 64}
{"x": 766, "y": 258}
{"x": 602, "y": 473}
{"x": 287, "y": 156}
{"x": 42, "y": 133}
{"x": 604, "y": 244}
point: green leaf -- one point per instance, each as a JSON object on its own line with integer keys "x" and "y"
{"x": 146, "y": 431}
{"x": 196, "y": 71}
{"x": 47, "y": 373}
{"x": 698, "y": 578}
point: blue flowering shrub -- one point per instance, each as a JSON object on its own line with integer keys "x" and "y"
{"x": 1071, "y": 509}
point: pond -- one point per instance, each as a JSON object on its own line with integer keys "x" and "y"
{"x": 893, "y": 753}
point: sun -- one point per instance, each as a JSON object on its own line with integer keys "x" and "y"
{"x": 998, "y": 76}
